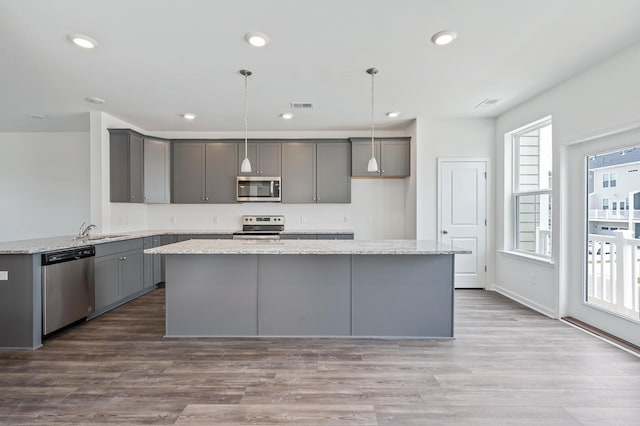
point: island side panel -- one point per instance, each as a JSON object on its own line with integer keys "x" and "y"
{"x": 21, "y": 302}
{"x": 211, "y": 295}
{"x": 304, "y": 295}
{"x": 409, "y": 295}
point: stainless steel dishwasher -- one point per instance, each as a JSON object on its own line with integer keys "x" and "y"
{"x": 67, "y": 287}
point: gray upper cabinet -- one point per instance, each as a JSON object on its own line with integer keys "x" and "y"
{"x": 187, "y": 172}
{"x": 316, "y": 172}
{"x": 265, "y": 158}
{"x": 156, "y": 170}
{"x": 204, "y": 172}
{"x": 298, "y": 172}
{"x": 333, "y": 172}
{"x": 220, "y": 172}
{"x": 393, "y": 156}
{"x": 126, "y": 153}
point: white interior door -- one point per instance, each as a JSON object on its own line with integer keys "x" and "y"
{"x": 462, "y": 219}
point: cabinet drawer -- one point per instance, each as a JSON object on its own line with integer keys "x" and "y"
{"x": 107, "y": 249}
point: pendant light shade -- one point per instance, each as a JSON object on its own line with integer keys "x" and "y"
{"x": 372, "y": 166}
{"x": 245, "y": 167}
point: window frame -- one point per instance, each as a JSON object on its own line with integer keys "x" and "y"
{"x": 516, "y": 192}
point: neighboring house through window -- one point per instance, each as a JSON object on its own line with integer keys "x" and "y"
{"x": 532, "y": 176}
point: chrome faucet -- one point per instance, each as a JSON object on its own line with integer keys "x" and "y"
{"x": 83, "y": 232}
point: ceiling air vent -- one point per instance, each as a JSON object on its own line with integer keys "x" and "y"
{"x": 301, "y": 105}
{"x": 487, "y": 103}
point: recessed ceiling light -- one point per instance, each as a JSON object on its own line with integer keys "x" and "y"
{"x": 37, "y": 116}
{"x": 188, "y": 116}
{"x": 443, "y": 38}
{"x": 256, "y": 39}
{"x": 95, "y": 100}
{"x": 393, "y": 114}
{"x": 83, "y": 41}
{"x": 286, "y": 115}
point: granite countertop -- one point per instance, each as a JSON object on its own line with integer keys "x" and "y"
{"x": 42, "y": 245}
{"x": 406, "y": 247}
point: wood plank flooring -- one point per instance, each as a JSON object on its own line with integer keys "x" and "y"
{"x": 508, "y": 365}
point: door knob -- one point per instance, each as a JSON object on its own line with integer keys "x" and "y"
{"x": 444, "y": 231}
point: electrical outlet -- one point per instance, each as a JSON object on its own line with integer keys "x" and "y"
{"x": 214, "y": 219}
{"x": 346, "y": 219}
{"x": 4, "y": 275}
{"x": 172, "y": 219}
{"x": 368, "y": 220}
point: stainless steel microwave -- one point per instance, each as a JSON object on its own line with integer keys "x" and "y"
{"x": 258, "y": 188}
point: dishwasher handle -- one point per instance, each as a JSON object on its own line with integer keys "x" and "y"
{"x": 68, "y": 255}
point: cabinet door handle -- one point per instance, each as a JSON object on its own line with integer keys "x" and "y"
{"x": 133, "y": 197}
{"x": 445, "y": 232}
{"x": 314, "y": 198}
{"x": 381, "y": 171}
{"x": 206, "y": 198}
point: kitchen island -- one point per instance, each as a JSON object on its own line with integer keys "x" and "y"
{"x": 388, "y": 288}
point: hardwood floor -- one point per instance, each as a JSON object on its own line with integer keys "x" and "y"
{"x": 508, "y": 365}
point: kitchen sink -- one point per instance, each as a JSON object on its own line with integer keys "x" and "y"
{"x": 102, "y": 237}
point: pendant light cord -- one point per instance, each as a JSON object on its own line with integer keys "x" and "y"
{"x": 246, "y": 113}
{"x": 372, "y": 103}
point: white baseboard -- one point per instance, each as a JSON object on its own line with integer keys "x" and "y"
{"x": 524, "y": 301}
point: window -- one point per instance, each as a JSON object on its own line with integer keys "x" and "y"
{"x": 613, "y": 252}
{"x": 532, "y": 176}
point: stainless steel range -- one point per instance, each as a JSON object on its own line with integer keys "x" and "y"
{"x": 260, "y": 228}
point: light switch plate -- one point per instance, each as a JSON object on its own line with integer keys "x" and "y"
{"x": 4, "y": 275}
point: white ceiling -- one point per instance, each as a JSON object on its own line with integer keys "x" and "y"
{"x": 159, "y": 58}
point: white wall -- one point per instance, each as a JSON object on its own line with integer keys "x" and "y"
{"x": 452, "y": 138}
{"x": 602, "y": 100}
{"x": 44, "y": 184}
{"x": 110, "y": 217}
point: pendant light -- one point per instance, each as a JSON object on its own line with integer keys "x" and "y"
{"x": 372, "y": 166}
{"x": 245, "y": 167}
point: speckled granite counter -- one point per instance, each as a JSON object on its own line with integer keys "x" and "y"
{"x": 320, "y": 247}
{"x": 42, "y": 245}
{"x": 386, "y": 288}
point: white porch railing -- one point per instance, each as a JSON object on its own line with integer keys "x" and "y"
{"x": 613, "y": 265}
{"x": 543, "y": 241}
{"x": 614, "y": 214}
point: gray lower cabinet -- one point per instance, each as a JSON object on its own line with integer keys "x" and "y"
{"x": 393, "y": 156}
{"x": 305, "y": 236}
{"x": 157, "y": 262}
{"x": 335, "y": 236}
{"x": 119, "y": 272}
{"x": 148, "y": 280}
{"x": 204, "y": 172}
{"x": 186, "y": 237}
{"x": 126, "y": 165}
{"x": 316, "y": 172}
{"x": 265, "y": 158}
{"x": 298, "y": 236}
